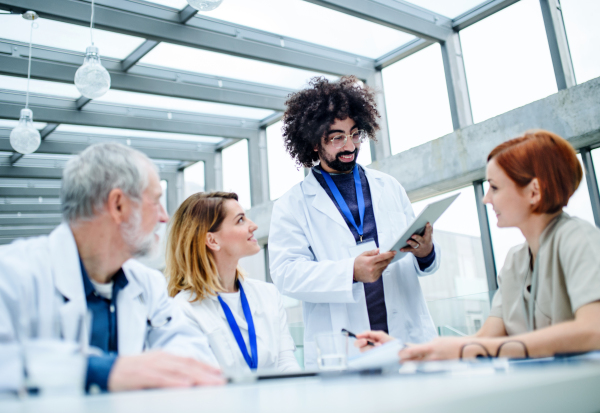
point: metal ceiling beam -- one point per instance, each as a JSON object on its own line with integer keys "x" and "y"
{"x": 186, "y": 14}
{"x": 58, "y": 148}
{"x": 480, "y": 12}
{"x": 558, "y": 43}
{"x": 30, "y": 220}
{"x": 13, "y": 232}
{"x": 395, "y": 14}
{"x": 202, "y": 33}
{"x": 192, "y": 124}
{"x": 29, "y": 192}
{"x": 456, "y": 82}
{"x": 403, "y": 51}
{"x": 29, "y": 172}
{"x": 30, "y": 208}
{"x": 57, "y": 66}
{"x": 137, "y": 54}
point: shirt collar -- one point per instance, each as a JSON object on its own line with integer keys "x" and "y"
{"x": 119, "y": 280}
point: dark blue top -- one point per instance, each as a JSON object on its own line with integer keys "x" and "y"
{"x": 374, "y": 293}
{"x": 104, "y": 328}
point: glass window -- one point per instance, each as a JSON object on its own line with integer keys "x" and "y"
{"x": 97, "y": 130}
{"x": 415, "y": 93}
{"x": 283, "y": 172}
{"x": 447, "y": 8}
{"x": 218, "y": 64}
{"x": 583, "y": 32}
{"x": 457, "y": 293}
{"x": 580, "y": 205}
{"x": 236, "y": 172}
{"x": 327, "y": 27}
{"x": 364, "y": 154}
{"x": 503, "y": 239}
{"x": 507, "y": 60}
{"x": 39, "y": 87}
{"x": 183, "y": 105}
{"x": 462, "y": 271}
{"x": 68, "y": 36}
{"x": 193, "y": 178}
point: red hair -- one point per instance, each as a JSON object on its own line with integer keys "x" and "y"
{"x": 547, "y": 157}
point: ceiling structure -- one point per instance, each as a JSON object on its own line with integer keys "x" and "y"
{"x": 187, "y": 85}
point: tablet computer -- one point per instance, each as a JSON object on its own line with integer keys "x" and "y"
{"x": 430, "y": 214}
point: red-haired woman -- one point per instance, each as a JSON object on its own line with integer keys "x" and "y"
{"x": 548, "y": 298}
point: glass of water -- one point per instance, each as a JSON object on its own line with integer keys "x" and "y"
{"x": 55, "y": 366}
{"x": 332, "y": 351}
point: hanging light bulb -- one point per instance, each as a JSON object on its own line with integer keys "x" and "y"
{"x": 205, "y": 5}
{"x": 92, "y": 79}
{"x": 25, "y": 138}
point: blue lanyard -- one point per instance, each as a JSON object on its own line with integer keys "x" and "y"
{"x": 252, "y": 362}
{"x": 360, "y": 199}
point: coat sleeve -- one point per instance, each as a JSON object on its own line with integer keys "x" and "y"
{"x": 286, "y": 361}
{"x": 178, "y": 336}
{"x": 293, "y": 266}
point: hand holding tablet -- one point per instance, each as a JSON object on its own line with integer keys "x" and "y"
{"x": 430, "y": 214}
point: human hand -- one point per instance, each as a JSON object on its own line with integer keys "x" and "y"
{"x": 369, "y": 265}
{"x": 160, "y": 369}
{"x": 421, "y": 246}
{"x": 376, "y": 337}
{"x": 441, "y": 348}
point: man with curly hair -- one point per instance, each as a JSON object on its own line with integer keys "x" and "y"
{"x": 326, "y": 231}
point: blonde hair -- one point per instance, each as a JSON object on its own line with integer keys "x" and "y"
{"x": 190, "y": 264}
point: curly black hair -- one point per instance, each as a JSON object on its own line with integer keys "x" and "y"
{"x": 310, "y": 113}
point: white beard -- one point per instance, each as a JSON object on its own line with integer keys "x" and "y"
{"x": 140, "y": 245}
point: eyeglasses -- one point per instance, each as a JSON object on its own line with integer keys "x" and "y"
{"x": 338, "y": 141}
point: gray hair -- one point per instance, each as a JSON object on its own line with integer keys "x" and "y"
{"x": 89, "y": 177}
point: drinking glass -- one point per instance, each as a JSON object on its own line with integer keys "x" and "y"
{"x": 332, "y": 351}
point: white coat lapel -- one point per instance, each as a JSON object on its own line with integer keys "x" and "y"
{"x": 132, "y": 317}
{"x": 321, "y": 201}
{"x": 66, "y": 273}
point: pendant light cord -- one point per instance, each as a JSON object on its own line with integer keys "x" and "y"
{"x": 29, "y": 65}
{"x": 92, "y": 24}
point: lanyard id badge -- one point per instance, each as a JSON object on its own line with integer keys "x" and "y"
{"x": 252, "y": 361}
{"x": 364, "y": 246}
{"x": 360, "y": 200}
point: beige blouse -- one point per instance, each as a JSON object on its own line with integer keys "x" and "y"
{"x": 568, "y": 276}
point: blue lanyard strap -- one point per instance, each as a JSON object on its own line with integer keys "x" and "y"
{"x": 360, "y": 199}
{"x": 252, "y": 362}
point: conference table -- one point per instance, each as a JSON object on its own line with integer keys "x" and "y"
{"x": 498, "y": 386}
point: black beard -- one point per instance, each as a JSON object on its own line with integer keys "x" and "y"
{"x": 336, "y": 164}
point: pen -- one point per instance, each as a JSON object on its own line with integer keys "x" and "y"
{"x": 351, "y": 334}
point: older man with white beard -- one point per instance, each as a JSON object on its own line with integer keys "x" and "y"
{"x": 111, "y": 208}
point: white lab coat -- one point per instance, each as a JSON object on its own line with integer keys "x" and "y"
{"x": 309, "y": 259}
{"x": 273, "y": 338}
{"x": 42, "y": 296}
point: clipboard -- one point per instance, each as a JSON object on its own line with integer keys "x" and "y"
{"x": 430, "y": 214}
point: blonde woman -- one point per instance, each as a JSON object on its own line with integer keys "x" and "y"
{"x": 244, "y": 319}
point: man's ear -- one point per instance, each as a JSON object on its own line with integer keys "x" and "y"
{"x": 535, "y": 194}
{"x": 118, "y": 206}
{"x": 211, "y": 242}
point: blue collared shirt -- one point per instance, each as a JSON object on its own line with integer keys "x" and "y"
{"x": 104, "y": 334}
